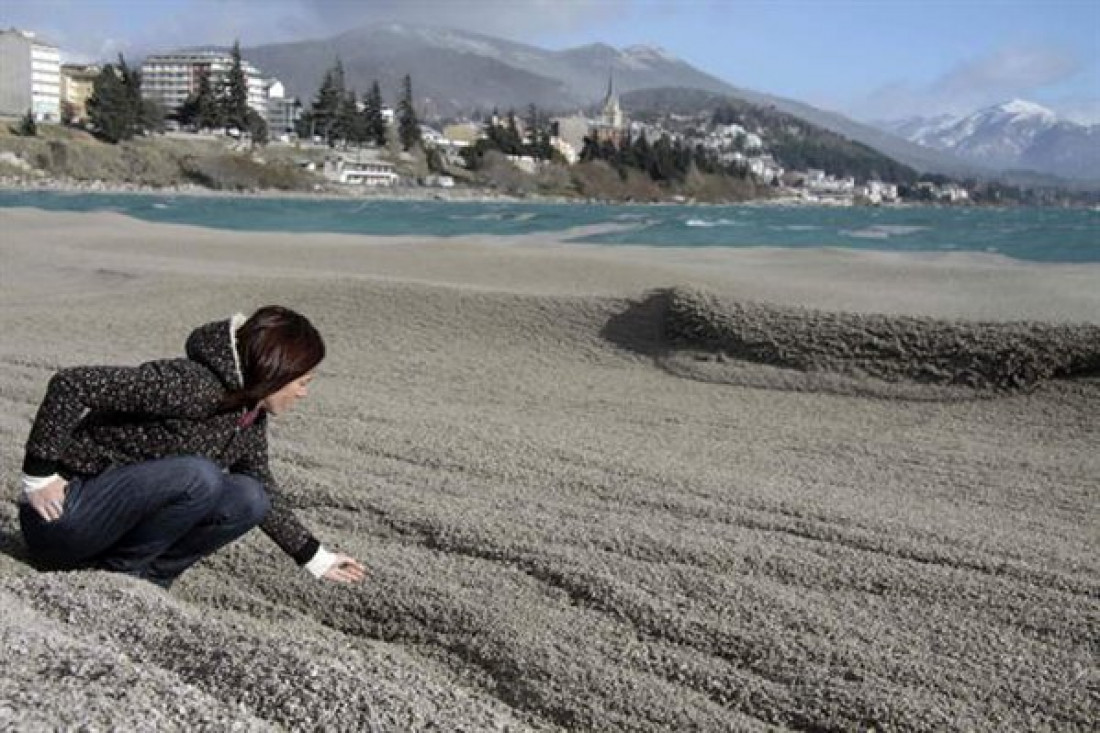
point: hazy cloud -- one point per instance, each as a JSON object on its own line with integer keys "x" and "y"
{"x": 256, "y": 23}
{"x": 516, "y": 19}
{"x": 1006, "y": 73}
{"x": 81, "y": 27}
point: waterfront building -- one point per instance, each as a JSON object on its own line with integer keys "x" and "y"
{"x": 77, "y": 85}
{"x": 30, "y": 76}
{"x": 341, "y": 169}
{"x": 171, "y": 78}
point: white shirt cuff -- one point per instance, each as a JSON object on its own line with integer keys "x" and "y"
{"x": 322, "y": 562}
{"x": 32, "y": 484}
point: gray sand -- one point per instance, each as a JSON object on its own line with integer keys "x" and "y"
{"x": 578, "y": 512}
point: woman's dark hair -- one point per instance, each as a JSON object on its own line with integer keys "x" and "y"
{"x": 275, "y": 346}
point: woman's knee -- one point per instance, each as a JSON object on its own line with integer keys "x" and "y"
{"x": 202, "y": 477}
{"x": 245, "y": 499}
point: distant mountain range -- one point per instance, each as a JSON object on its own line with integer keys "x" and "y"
{"x": 459, "y": 71}
{"x": 1012, "y": 135}
{"x": 456, "y": 71}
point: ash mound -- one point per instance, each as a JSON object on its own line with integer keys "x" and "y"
{"x": 761, "y": 345}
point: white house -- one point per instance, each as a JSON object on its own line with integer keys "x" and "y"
{"x": 360, "y": 173}
{"x": 954, "y": 193}
{"x": 878, "y": 191}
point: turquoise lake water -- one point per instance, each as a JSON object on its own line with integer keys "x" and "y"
{"x": 1044, "y": 235}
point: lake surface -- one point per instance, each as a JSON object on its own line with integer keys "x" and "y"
{"x": 1043, "y": 235}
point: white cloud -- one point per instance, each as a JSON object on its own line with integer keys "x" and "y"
{"x": 1081, "y": 111}
{"x": 1006, "y": 73}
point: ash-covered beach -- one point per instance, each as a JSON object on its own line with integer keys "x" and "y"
{"x": 596, "y": 488}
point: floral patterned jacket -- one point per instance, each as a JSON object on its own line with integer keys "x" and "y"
{"x": 96, "y": 417}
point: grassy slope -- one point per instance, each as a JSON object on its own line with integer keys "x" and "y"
{"x": 70, "y": 154}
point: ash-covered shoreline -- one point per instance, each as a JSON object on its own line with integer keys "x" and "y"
{"x": 1002, "y": 357}
{"x": 559, "y": 534}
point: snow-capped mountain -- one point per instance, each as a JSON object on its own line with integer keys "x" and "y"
{"x": 1013, "y": 135}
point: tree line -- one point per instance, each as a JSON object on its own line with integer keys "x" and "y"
{"x": 224, "y": 105}
{"x": 665, "y": 160}
{"x": 338, "y": 116}
{"x": 117, "y": 111}
{"x": 504, "y": 136}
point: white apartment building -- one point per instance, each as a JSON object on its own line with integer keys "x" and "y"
{"x": 170, "y": 78}
{"x": 30, "y": 76}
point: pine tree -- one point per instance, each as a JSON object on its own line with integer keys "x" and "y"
{"x": 203, "y": 108}
{"x": 115, "y": 108}
{"x": 325, "y": 110}
{"x": 532, "y": 124}
{"x": 208, "y": 112}
{"x": 372, "y": 112}
{"x": 350, "y": 123}
{"x": 512, "y": 141}
{"x": 408, "y": 126}
{"x": 256, "y": 126}
{"x": 27, "y": 126}
{"x": 234, "y": 97}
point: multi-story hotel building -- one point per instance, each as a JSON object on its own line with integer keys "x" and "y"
{"x": 30, "y": 76}
{"x": 77, "y": 84}
{"x": 170, "y": 78}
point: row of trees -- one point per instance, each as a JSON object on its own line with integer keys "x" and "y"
{"x": 338, "y": 116}
{"x": 505, "y": 137}
{"x": 225, "y": 106}
{"x": 665, "y": 160}
{"x": 117, "y": 111}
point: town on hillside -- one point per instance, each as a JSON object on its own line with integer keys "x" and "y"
{"x": 349, "y": 141}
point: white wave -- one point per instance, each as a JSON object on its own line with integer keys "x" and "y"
{"x": 707, "y": 223}
{"x": 882, "y": 231}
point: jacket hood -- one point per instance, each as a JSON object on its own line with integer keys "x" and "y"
{"x": 214, "y": 345}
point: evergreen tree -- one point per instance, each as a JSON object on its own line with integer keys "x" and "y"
{"x": 408, "y": 127}
{"x": 350, "y": 123}
{"x": 511, "y": 135}
{"x": 27, "y": 126}
{"x": 234, "y": 97}
{"x": 372, "y": 112}
{"x": 68, "y": 112}
{"x": 187, "y": 113}
{"x": 115, "y": 108}
{"x": 532, "y": 124}
{"x": 203, "y": 108}
{"x": 325, "y": 111}
{"x": 208, "y": 112}
{"x": 152, "y": 116}
{"x": 256, "y": 127}
{"x": 590, "y": 151}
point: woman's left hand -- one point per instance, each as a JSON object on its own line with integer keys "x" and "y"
{"x": 346, "y": 569}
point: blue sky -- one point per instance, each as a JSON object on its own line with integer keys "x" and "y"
{"x": 866, "y": 58}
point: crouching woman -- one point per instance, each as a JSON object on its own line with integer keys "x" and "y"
{"x": 146, "y": 470}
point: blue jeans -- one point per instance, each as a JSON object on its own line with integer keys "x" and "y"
{"x": 152, "y": 520}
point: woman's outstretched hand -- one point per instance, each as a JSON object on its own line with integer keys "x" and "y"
{"x": 346, "y": 569}
{"x": 49, "y": 502}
